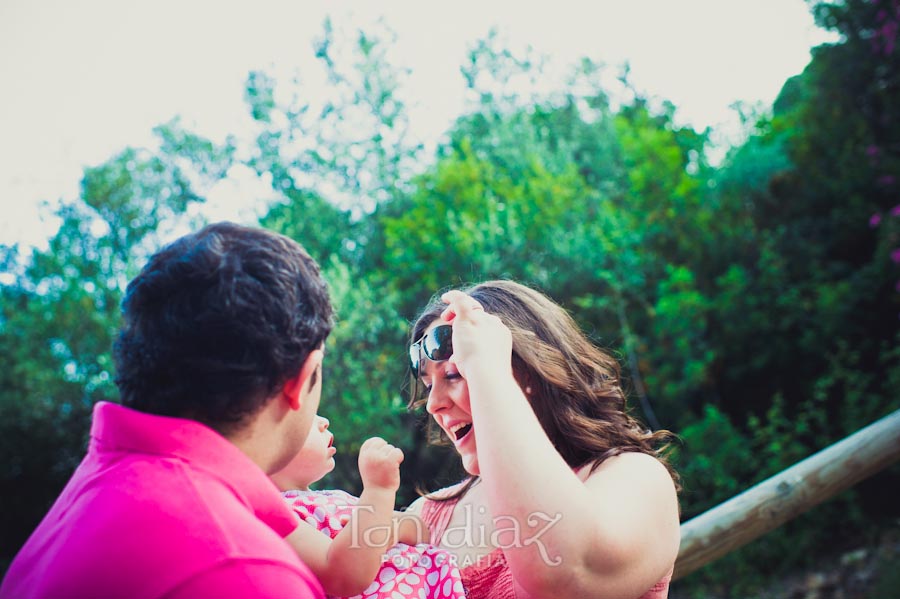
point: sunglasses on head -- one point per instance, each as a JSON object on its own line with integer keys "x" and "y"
{"x": 436, "y": 345}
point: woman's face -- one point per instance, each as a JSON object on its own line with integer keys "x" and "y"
{"x": 448, "y": 404}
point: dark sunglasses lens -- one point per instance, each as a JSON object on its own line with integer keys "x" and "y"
{"x": 438, "y": 344}
{"x": 414, "y": 358}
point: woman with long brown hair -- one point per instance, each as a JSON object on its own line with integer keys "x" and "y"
{"x": 568, "y": 495}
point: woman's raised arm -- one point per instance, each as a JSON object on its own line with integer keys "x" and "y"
{"x": 613, "y": 534}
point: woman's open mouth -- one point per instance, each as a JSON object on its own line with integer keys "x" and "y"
{"x": 458, "y": 431}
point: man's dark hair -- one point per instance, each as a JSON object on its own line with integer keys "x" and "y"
{"x": 217, "y": 322}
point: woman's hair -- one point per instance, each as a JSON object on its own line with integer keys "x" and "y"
{"x": 576, "y": 390}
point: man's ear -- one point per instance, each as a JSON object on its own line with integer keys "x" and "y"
{"x": 295, "y": 387}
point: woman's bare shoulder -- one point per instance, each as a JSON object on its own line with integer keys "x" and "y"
{"x": 416, "y": 506}
{"x": 643, "y": 471}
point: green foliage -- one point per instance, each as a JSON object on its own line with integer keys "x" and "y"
{"x": 718, "y": 460}
{"x": 680, "y": 332}
{"x": 888, "y": 577}
{"x": 324, "y": 230}
{"x": 715, "y": 462}
{"x": 805, "y": 317}
{"x": 470, "y": 220}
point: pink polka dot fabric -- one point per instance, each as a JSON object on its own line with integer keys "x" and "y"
{"x": 407, "y": 572}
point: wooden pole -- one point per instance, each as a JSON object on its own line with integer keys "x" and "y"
{"x": 788, "y": 494}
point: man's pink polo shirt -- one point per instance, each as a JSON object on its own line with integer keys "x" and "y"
{"x": 162, "y": 507}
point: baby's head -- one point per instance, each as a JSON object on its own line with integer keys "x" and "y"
{"x": 314, "y": 460}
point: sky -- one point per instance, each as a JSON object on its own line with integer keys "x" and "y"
{"x": 82, "y": 80}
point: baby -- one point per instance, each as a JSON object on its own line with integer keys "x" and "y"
{"x": 367, "y": 550}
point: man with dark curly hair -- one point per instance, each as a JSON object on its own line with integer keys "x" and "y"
{"x": 218, "y": 364}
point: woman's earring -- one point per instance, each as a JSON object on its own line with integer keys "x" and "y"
{"x": 528, "y": 390}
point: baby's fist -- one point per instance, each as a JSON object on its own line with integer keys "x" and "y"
{"x": 379, "y": 464}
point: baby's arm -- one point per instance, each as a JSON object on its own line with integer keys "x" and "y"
{"x": 347, "y": 564}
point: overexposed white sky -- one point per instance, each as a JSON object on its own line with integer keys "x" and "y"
{"x": 81, "y": 80}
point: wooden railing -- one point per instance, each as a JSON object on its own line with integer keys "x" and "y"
{"x": 788, "y": 494}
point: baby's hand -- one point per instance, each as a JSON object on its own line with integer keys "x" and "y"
{"x": 379, "y": 464}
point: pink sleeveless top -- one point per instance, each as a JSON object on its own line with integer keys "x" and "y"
{"x": 491, "y": 577}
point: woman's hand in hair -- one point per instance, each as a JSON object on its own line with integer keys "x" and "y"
{"x": 480, "y": 340}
